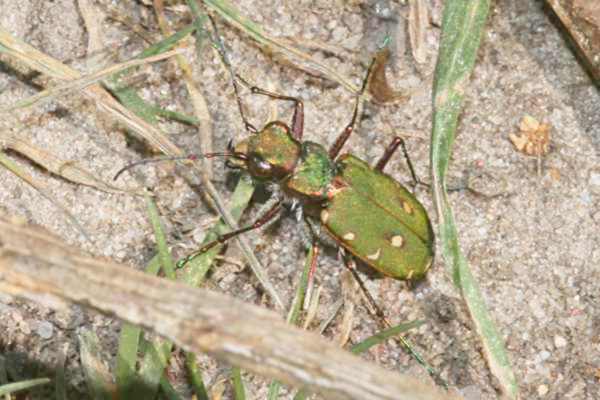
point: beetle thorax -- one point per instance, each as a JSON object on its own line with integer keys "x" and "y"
{"x": 313, "y": 174}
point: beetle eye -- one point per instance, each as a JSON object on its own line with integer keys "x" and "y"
{"x": 263, "y": 165}
{"x": 260, "y": 166}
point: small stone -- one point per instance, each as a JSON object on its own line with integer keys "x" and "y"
{"x": 560, "y": 341}
{"x": 544, "y": 355}
{"x": 45, "y": 329}
{"x": 542, "y": 390}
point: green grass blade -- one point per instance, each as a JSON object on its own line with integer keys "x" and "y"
{"x": 152, "y": 367}
{"x": 238, "y": 385}
{"x": 294, "y": 313}
{"x": 157, "y": 352}
{"x": 167, "y": 389}
{"x": 384, "y": 335}
{"x": 164, "y": 255}
{"x": 17, "y": 386}
{"x": 169, "y": 42}
{"x": 462, "y": 26}
{"x": 60, "y": 381}
{"x": 195, "y": 377}
{"x": 129, "y": 339}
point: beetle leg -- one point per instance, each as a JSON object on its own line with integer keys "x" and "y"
{"x": 311, "y": 275}
{"x": 261, "y": 221}
{"x": 336, "y": 147}
{"x": 373, "y": 308}
{"x": 389, "y": 151}
{"x": 297, "y": 118}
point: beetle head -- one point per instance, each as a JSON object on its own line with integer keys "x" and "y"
{"x": 270, "y": 154}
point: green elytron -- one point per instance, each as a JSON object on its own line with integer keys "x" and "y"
{"x": 363, "y": 209}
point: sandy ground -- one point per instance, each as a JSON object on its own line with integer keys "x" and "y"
{"x": 532, "y": 241}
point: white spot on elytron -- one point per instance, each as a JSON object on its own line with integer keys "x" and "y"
{"x": 397, "y": 241}
{"x": 407, "y": 207}
{"x": 375, "y": 255}
{"x": 349, "y": 236}
{"x": 410, "y": 274}
{"x": 324, "y": 216}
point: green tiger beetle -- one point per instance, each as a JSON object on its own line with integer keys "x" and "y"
{"x": 362, "y": 209}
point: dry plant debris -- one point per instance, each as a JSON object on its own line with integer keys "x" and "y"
{"x": 533, "y": 138}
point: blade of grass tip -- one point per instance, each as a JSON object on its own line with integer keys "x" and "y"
{"x": 127, "y": 352}
{"x": 174, "y": 115}
{"x": 18, "y": 386}
{"x": 164, "y": 255}
{"x": 96, "y": 373}
{"x": 60, "y": 383}
{"x": 462, "y": 25}
{"x": 195, "y": 377}
{"x": 384, "y": 335}
{"x": 239, "y": 393}
{"x": 228, "y": 12}
{"x": 294, "y": 313}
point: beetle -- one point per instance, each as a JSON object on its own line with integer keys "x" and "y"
{"x": 360, "y": 207}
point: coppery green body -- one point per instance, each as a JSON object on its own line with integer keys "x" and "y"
{"x": 364, "y": 210}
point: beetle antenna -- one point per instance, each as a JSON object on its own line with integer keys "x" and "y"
{"x": 189, "y": 157}
{"x": 218, "y": 44}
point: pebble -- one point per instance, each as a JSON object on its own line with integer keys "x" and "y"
{"x": 45, "y": 329}
{"x": 542, "y": 390}
{"x": 560, "y": 341}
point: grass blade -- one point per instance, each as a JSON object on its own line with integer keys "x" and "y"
{"x": 164, "y": 255}
{"x": 195, "y": 377}
{"x": 60, "y": 381}
{"x": 238, "y": 384}
{"x": 294, "y": 313}
{"x": 17, "y": 386}
{"x": 127, "y": 351}
{"x": 462, "y": 25}
{"x": 384, "y": 335}
{"x": 168, "y": 390}
{"x": 157, "y": 352}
